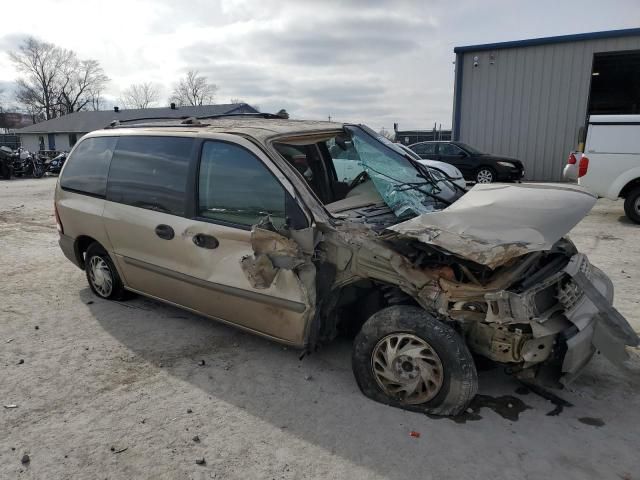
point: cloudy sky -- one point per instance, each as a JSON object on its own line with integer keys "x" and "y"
{"x": 370, "y": 61}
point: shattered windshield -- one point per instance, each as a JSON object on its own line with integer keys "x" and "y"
{"x": 405, "y": 189}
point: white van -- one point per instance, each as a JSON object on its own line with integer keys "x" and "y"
{"x": 610, "y": 166}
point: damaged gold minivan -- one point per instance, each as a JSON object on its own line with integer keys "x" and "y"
{"x": 300, "y": 230}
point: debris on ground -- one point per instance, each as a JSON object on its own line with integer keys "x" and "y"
{"x": 9, "y": 340}
{"x": 593, "y": 421}
{"x": 414, "y": 434}
{"x": 90, "y": 302}
{"x": 196, "y": 438}
{"x": 308, "y": 377}
{"x": 37, "y": 327}
{"x": 25, "y": 459}
{"x": 189, "y": 410}
{"x": 201, "y": 461}
{"x": 11, "y": 405}
{"x": 201, "y": 363}
{"x": 113, "y": 449}
{"x": 21, "y": 361}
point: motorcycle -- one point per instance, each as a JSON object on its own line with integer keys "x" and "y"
{"x": 6, "y": 162}
{"x": 25, "y": 163}
{"x": 52, "y": 166}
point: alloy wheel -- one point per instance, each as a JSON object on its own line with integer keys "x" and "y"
{"x": 100, "y": 276}
{"x": 406, "y": 367}
{"x": 484, "y": 176}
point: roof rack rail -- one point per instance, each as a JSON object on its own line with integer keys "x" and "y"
{"x": 184, "y": 120}
{"x": 282, "y": 114}
{"x": 194, "y": 121}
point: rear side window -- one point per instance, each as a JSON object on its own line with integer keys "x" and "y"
{"x": 236, "y": 187}
{"x": 424, "y": 148}
{"x": 151, "y": 173}
{"x": 449, "y": 149}
{"x": 87, "y": 168}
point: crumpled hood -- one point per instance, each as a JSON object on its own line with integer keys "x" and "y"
{"x": 493, "y": 223}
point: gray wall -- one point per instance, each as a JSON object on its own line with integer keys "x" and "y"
{"x": 531, "y": 101}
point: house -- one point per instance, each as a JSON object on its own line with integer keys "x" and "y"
{"x": 62, "y": 133}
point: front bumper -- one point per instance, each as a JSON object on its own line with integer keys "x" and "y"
{"x": 598, "y": 325}
{"x": 510, "y": 174}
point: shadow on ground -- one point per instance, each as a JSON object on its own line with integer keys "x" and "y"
{"x": 316, "y": 398}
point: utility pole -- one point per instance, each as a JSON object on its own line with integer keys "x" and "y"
{"x": 329, "y": 117}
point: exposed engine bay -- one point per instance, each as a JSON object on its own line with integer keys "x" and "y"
{"x": 492, "y": 262}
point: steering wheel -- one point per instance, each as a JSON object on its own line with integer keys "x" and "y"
{"x": 360, "y": 178}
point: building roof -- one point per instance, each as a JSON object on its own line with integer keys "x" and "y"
{"x": 87, "y": 121}
{"x": 627, "y": 32}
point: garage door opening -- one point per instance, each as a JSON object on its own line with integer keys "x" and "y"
{"x": 615, "y": 84}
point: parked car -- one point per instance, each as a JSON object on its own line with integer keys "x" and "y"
{"x": 570, "y": 172}
{"x": 244, "y": 219}
{"x": 610, "y": 166}
{"x": 446, "y": 168}
{"x": 475, "y": 166}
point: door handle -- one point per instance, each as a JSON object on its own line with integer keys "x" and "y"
{"x": 165, "y": 232}
{"x": 205, "y": 241}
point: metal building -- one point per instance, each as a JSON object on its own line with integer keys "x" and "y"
{"x": 530, "y": 99}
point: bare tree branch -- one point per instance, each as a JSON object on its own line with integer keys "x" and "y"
{"x": 140, "y": 95}
{"x": 55, "y": 81}
{"x": 193, "y": 89}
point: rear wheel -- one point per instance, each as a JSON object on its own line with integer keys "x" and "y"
{"x": 406, "y": 358}
{"x": 485, "y": 175}
{"x": 102, "y": 275}
{"x": 632, "y": 205}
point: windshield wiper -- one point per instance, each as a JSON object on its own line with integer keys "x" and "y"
{"x": 423, "y": 172}
{"x": 400, "y": 187}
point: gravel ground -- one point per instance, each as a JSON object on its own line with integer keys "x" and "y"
{"x": 116, "y": 390}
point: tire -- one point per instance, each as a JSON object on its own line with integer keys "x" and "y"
{"x": 5, "y": 170}
{"x": 102, "y": 275}
{"x": 632, "y": 205}
{"x": 38, "y": 171}
{"x": 485, "y": 175}
{"x": 453, "y": 382}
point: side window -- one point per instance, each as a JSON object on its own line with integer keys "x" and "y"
{"x": 235, "y": 187}
{"x": 151, "y": 172}
{"x": 86, "y": 169}
{"x": 345, "y": 160}
{"x": 424, "y": 148}
{"x": 449, "y": 149}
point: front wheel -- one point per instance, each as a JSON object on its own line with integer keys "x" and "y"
{"x": 38, "y": 171}
{"x": 632, "y": 205}
{"x": 406, "y": 358}
{"x": 485, "y": 175}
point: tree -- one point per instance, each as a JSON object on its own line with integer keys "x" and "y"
{"x": 55, "y": 81}
{"x": 79, "y": 80}
{"x": 140, "y": 95}
{"x": 236, "y": 100}
{"x": 40, "y": 62}
{"x": 193, "y": 89}
{"x": 387, "y": 134}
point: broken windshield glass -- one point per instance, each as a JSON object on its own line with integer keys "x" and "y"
{"x": 401, "y": 185}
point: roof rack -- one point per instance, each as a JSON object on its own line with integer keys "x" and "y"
{"x": 195, "y": 121}
{"x": 282, "y": 114}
